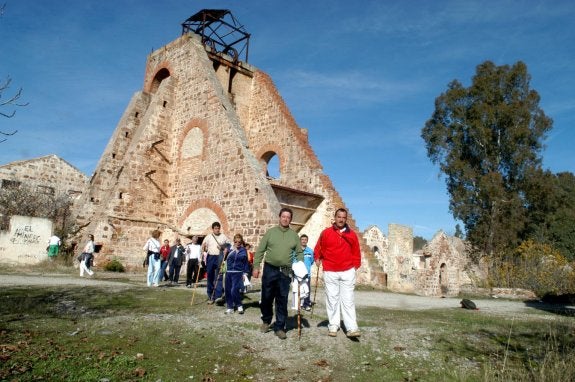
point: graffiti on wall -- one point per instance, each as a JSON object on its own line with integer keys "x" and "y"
{"x": 25, "y": 242}
{"x": 24, "y": 235}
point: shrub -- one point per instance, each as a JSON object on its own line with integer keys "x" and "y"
{"x": 114, "y": 266}
{"x": 534, "y": 266}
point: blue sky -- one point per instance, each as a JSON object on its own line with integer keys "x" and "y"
{"x": 361, "y": 76}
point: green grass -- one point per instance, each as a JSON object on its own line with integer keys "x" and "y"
{"x": 72, "y": 333}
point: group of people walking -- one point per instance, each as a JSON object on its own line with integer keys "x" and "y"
{"x": 229, "y": 266}
{"x": 159, "y": 257}
{"x": 228, "y": 263}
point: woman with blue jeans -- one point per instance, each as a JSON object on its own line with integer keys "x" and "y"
{"x": 152, "y": 248}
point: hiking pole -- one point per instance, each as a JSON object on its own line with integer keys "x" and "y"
{"x": 315, "y": 291}
{"x": 298, "y": 311}
{"x": 196, "y": 284}
{"x": 218, "y": 277}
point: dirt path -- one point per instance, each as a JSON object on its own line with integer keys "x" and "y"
{"x": 362, "y": 298}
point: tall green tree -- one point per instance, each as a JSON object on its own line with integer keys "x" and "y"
{"x": 551, "y": 210}
{"x": 486, "y": 138}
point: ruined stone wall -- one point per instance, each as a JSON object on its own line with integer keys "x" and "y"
{"x": 440, "y": 269}
{"x": 188, "y": 163}
{"x": 445, "y": 268}
{"x": 400, "y": 275}
{"x": 192, "y": 148}
{"x": 377, "y": 241}
{"x": 49, "y": 174}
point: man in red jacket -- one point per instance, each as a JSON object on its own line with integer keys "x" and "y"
{"x": 338, "y": 250}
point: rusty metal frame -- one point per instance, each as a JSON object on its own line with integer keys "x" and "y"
{"x": 220, "y": 31}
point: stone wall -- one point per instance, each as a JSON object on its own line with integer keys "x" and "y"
{"x": 377, "y": 241}
{"x": 26, "y": 240}
{"x": 49, "y": 174}
{"x": 440, "y": 269}
{"x": 192, "y": 147}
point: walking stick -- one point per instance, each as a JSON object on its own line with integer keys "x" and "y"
{"x": 218, "y": 277}
{"x": 196, "y": 284}
{"x": 298, "y": 312}
{"x": 315, "y": 290}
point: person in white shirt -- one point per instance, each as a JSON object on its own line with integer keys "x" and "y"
{"x": 87, "y": 256}
{"x": 152, "y": 248}
{"x": 216, "y": 245}
{"x": 53, "y": 246}
{"x": 193, "y": 258}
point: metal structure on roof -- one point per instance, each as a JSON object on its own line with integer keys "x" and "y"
{"x": 220, "y": 31}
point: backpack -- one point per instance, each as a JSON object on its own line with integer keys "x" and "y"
{"x": 468, "y": 304}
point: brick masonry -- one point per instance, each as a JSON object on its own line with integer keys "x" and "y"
{"x": 48, "y": 174}
{"x": 192, "y": 147}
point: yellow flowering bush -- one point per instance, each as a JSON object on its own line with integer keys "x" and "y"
{"x": 534, "y": 266}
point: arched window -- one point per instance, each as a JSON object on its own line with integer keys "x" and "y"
{"x": 272, "y": 165}
{"x": 193, "y": 143}
{"x": 158, "y": 78}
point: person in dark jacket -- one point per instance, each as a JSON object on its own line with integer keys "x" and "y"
{"x": 237, "y": 267}
{"x": 175, "y": 260}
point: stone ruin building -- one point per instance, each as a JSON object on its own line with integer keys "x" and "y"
{"x": 23, "y": 239}
{"x": 193, "y": 147}
{"x": 49, "y": 174}
{"x": 441, "y": 268}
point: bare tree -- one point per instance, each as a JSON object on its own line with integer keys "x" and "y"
{"x": 13, "y": 100}
{"x": 17, "y": 198}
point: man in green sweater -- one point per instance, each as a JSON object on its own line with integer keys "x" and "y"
{"x": 279, "y": 244}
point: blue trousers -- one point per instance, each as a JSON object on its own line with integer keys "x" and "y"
{"x": 275, "y": 288}
{"x": 234, "y": 283}
{"x": 215, "y": 278}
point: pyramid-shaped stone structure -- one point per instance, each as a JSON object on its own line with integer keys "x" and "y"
{"x": 193, "y": 147}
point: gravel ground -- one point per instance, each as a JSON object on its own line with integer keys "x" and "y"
{"x": 362, "y": 298}
{"x": 282, "y": 360}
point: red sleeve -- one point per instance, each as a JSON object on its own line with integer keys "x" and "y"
{"x": 317, "y": 248}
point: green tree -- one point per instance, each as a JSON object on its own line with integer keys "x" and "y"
{"x": 458, "y": 232}
{"x": 551, "y": 210}
{"x": 486, "y": 138}
{"x": 418, "y": 243}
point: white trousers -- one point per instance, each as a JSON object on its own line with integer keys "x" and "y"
{"x": 339, "y": 301}
{"x": 84, "y": 268}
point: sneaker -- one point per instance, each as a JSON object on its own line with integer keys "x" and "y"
{"x": 264, "y": 327}
{"x": 353, "y": 334}
{"x": 210, "y": 302}
{"x": 307, "y": 308}
{"x": 240, "y": 310}
{"x": 281, "y": 334}
{"x": 229, "y": 311}
{"x": 220, "y": 301}
{"x": 331, "y": 334}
